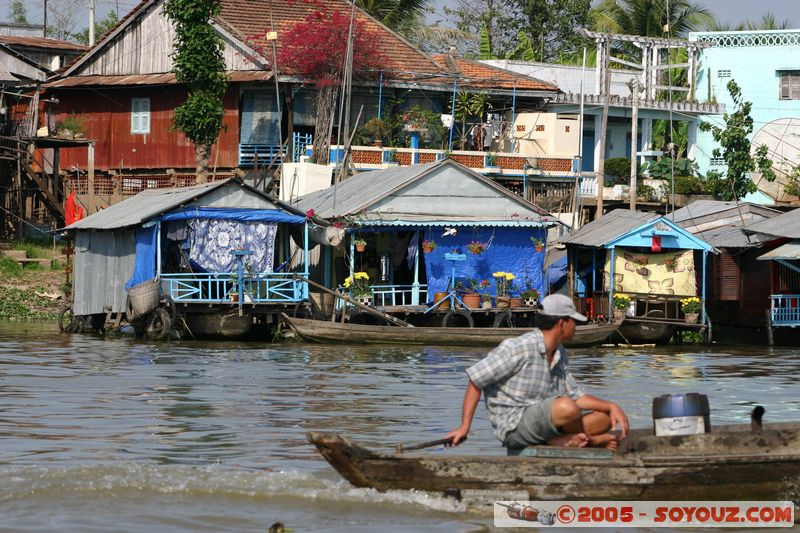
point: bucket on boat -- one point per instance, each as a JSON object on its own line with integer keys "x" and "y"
{"x": 681, "y": 414}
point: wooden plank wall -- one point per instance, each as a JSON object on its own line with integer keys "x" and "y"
{"x": 107, "y": 115}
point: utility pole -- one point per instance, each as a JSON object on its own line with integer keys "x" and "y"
{"x": 634, "y": 140}
{"x": 91, "y": 22}
{"x": 44, "y": 26}
{"x": 601, "y": 167}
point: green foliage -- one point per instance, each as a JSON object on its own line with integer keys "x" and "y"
{"x": 56, "y": 265}
{"x": 72, "y": 123}
{"x": 100, "y": 28}
{"x": 690, "y": 185}
{"x": 35, "y": 250}
{"x": 619, "y": 167}
{"x": 9, "y": 268}
{"x": 646, "y": 191}
{"x": 486, "y": 45}
{"x": 198, "y": 63}
{"x": 648, "y": 17}
{"x": 18, "y": 303}
{"x": 736, "y": 150}
{"x": 792, "y": 186}
{"x": 663, "y": 168}
{"x": 403, "y": 16}
{"x": 18, "y": 12}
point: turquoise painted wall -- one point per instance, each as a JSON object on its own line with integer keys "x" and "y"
{"x": 754, "y": 60}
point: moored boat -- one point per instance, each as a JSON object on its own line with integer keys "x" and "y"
{"x": 731, "y": 463}
{"x": 326, "y": 331}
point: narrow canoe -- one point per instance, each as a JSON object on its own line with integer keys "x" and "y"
{"x": 731, "y": 463}
{"x": 325, "y": 331}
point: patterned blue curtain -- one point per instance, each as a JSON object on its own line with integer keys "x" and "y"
{"x": 212, "y": 240}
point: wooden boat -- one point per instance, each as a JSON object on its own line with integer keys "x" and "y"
{"x": 325, "y": 331}
{"x": 731, "y": 463}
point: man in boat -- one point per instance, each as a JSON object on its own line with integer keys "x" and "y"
{"x": 532, "y": 397}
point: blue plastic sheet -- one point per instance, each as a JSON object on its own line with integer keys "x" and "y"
{"x": 144, "y": 266}
{"x": 242, "y": 215}
{"x": 509, "y": 250}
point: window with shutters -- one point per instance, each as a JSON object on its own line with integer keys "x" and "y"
{"x": 726, "y": 277}
{"x": 724, "y": 73}
{"x": 140, "y": 115}
{"x": 790, "y": 85}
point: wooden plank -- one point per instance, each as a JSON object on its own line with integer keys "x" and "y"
{"x": 559, "y": 452}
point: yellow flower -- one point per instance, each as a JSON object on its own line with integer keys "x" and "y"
{"x": 509, "y": 276}
{"x": 362, "y": 275}
{"x": 499, "y": 274}
{"x": 348, "y": 281}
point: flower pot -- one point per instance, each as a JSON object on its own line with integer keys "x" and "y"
{"x": 516, "y": 302}
{"x": 364, "y": 300}
{"x": 619, "y": 315}
{"x": 691, "y": 318}
{"x": 361, "y": 247}
{"x": 503, "y": 302}
{"x": 539, "y": 248}
{"x": 438, "y": 296}
{"x": 234, "y": 297}
{"x": 427, "y": 249}
{"x": 530, "y": 302}
{"x": 486, "y": 304}
{"x": 472, "y": 300}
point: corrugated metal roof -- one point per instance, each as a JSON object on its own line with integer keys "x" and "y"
{"x": 144, "y": 206}
{"x": 785, "y": 225}
{"x": 471, "y": 222}
{"x": 600, "y": 232}
{"x": 41, "y": 42}
{"x": 731, "y": 237}
{"x": 5, "y": 75}
{"x": 166, "y": 78}
{"x": 703, "y": 208}
{"x": 789, "y": 251}
{"x": 358, "y": 193}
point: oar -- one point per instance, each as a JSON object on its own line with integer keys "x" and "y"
{"x": 400, "y": 448}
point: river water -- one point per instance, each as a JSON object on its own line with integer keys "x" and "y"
{"x": 124, "y": 435}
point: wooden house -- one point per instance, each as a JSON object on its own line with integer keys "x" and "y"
{"x": 739, "y": 284}
{"x": 395, "y": 213}
{"x": 216, "y": 254}
{"x": 124, "y": 91}
{"x": 652, "y": 261}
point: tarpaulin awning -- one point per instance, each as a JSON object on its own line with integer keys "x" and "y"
{"x": 244, "y": 215}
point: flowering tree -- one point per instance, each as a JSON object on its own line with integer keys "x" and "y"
{"x": 315, "y": 49}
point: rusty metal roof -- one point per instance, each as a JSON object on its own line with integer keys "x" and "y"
{"x": 166, "y": 78}
{"x": 41, "y": 42}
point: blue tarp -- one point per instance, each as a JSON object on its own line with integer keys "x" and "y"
{"x": 244, "y": 215}
{"x": 144, "y": 267}
{"x": 510, "y": 250}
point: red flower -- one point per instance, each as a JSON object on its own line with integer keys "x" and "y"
{"x": 310, "y": 213}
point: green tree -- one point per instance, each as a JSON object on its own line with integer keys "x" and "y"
{"x": 403, "y": 16}
{"x": 766, "y": 22}
{"x": 649, "y": 17}
{"x": 100, "y": 29}
{"x": 552, "y": 24}
{"x": 198, "y": 63}
{"x": 736, "y": 150}
{"x": 18, "y": 12}
{"x": 498, "y": 20}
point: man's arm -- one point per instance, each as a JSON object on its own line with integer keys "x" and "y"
{"x": 614, "y": 411}
{"x": 471, "y": 399}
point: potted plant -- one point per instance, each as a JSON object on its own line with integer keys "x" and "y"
{"x": 360, "y": 244}
{"x": 428, "y": 245}
{"x": 358, "y": 284}
{"x": 622, "y": 304}
{"x": 375, "y": 129}
{"x": 538, "y": 244}
{"x": 503, "y": 281}
{"x": 476, "y": 247}
{"x": 486, "y": 298}
{"x": 670, "y": 262}
{"x": 71, "y": 127}
{"x": 691, "y": 309}
{"x": 530, "y": 296}
{"x": 471, "y": 298}
{"x": 491, "y": 163}
{"x": 391, "y": 158}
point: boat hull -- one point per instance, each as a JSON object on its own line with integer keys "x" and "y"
{"x": 324, "y": 331}
{"x": 730, "y": 465}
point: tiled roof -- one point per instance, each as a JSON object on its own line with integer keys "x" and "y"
{"x": 41, "y": 42}
{"x": 252, "y": 19}
{"x": 479, "y": 75}
{"x": 166, "y": 78}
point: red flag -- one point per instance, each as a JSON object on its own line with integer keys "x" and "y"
{"x": 70, "y": 209}
{"x": 655, "y": 245}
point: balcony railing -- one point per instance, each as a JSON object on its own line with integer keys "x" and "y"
{"x": 785, "y": 309}
{"x": 222, "y": 287}
{"x": 393, "y": 295}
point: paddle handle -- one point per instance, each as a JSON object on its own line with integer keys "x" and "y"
{"x": 420, "y": 445}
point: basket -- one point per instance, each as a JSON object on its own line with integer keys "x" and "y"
{"x": 143, "y": 298}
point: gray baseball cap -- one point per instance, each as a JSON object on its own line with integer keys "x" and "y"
{"x": 560, "y": 305}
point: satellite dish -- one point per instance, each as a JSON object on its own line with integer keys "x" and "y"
{"x": 782, "y": 137}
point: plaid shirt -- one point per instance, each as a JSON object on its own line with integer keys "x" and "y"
{"x": 515, "y": 375}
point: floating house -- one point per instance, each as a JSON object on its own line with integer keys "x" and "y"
{"x": 651, "y": 260}
{"x": 784, "y": 279}
{"x": 478, "y": 228}
{"x": 216, "y": 254}
{"x": 738, "y": 282}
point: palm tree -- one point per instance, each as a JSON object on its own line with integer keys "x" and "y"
{"x": 402, "y": 16}
{"x": 767, "y": 22}
{"x": 648, "y": 17}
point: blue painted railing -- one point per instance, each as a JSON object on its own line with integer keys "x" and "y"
{"x": 785, "y": 309}
{"x": 215, "y": 287}
{"x": 299, "y": 143}
{"x": 264, "y": 153}
{"x": 388, "y": 295}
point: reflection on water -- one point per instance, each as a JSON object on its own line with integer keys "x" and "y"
{"x": 126, "y": 435}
